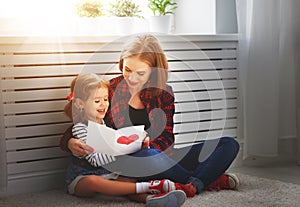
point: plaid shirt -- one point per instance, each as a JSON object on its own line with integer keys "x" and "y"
{"x": 160, "y": 110}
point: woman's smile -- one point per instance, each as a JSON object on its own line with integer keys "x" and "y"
{"x": 136, "y": 72}
{"x": 132, "y": 84}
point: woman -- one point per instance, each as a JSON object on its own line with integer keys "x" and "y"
{"x": 140, "y": 96}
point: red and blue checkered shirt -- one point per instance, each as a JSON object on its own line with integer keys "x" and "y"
{"x": 160, "y": 111}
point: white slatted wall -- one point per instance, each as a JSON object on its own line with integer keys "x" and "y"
{"x": 35, "y": 78}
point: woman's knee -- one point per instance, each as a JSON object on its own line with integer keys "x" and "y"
{"x": 231, "y": 143}
{"x": 146, "y": 153}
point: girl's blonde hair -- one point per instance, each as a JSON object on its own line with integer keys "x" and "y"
{"x": 81, "y": 87}
{"x": 147, "y": 48}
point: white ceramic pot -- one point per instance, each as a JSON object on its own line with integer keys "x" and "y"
{"x": 160, "y": 24}
{"x": 125, "y": 25}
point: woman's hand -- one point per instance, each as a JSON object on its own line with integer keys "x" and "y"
{"x": 146, "y": 142}
{"x": 79, "y": 148}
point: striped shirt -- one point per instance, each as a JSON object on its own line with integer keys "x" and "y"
{"x": 96, "y": 159}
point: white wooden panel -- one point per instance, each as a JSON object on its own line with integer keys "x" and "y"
{"x": 35, "y": 59}
{"x": 205, "y": 115}
{"x": 215, "y": 45}
{"x": 113, "y": 46}
{"x": 30, "y": 119}
{"x": 201, "y": 65}
{"x": 201, "y": 136}
{"x": 200, "y": 55}
{"x": 59, "y": 70}
{"x": 39, "y": 83}
{"x": 39, "y": 165}
{"x": 203, "y": 85}
{"x": 29, "y": 143}
{"x": 34, "y": 95}
{"x": 205, "y": 95}
{"x": 107, "y": 39}
{"x": 34, "y": 107}
{"x": 34, "y": 154}
{"x": 36, "y": 83}
{"x": 64, "y": 47}
{"x": 36, "y": 130}
{"x": 205, "y": 105}
{"x": 207, "y": 125}
{"x": 52, "y": 180}
{"x": 186, "y": 44}
{"x": 202, "y": 75}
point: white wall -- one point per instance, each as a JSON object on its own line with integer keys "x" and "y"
{"x": 195, "y": 16}
{"x": 297, "y": 71}
{"x": 226, "y": 18}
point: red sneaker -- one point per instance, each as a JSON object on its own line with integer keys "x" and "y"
{"x": 174, "y": 198}
{"x": 227, "y": 181}
{"x": 161, "y": 186}
{"x": 189, "y": 188}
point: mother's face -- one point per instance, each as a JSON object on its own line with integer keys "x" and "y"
{"x": 136, "y": 73}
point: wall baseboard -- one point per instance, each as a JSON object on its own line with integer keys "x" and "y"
{"x": 286, "y": 154}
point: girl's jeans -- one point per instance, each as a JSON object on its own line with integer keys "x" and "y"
{"x": 200, "y": 163}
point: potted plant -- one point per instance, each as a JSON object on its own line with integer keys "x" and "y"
{"x": 90, "y": 8}
{"x": 124, "y": 8}
{"x": 125, "y": 11}
{"x": 89, "y": 12}
{"x": 162, "y": 11}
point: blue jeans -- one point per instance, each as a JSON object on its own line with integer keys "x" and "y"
{"x": 200, "y": 163}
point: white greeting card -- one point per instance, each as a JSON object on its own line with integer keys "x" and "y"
{"x": 114, "y": 142}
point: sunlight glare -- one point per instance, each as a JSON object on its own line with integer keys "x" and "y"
{"x": 39, "y": 16}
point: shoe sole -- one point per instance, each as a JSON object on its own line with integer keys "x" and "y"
{"x": 236, "y": 179}
{"x": 172, "y": 199}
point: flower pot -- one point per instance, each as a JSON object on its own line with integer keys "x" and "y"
{"x": 160, "y": 24}
{"x": 125, "y": 25}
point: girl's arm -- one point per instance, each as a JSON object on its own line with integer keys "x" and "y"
{"x": 95, "y": 159}
{"x": 75, "y": 146}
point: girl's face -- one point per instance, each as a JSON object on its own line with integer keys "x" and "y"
{"x": 136, "y": 73}
{"x": 95, "y": 107}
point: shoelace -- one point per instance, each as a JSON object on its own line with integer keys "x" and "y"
{"x": 188, "y": 189}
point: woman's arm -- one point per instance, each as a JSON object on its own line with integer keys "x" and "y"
{"x": 163, "y": 120}
{"x": 65, "y": 139}
{"x": 74, "y": 146}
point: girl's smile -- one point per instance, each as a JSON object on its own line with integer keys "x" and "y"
{"x": 96, "y": 105}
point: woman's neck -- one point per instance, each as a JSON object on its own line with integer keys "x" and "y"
{"x": 136, "y": 102}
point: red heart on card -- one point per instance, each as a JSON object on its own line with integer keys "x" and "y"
{"x": 127, "y": 140}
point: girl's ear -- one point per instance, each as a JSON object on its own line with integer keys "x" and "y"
{"x": 79, "y": 104}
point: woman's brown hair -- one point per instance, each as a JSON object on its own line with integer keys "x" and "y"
{"x": 147, "y": 48}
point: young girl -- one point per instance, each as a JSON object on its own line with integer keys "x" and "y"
{"x": 88, "y": 100}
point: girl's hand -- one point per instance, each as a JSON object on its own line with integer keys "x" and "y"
{"x": 79, "y": 148}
